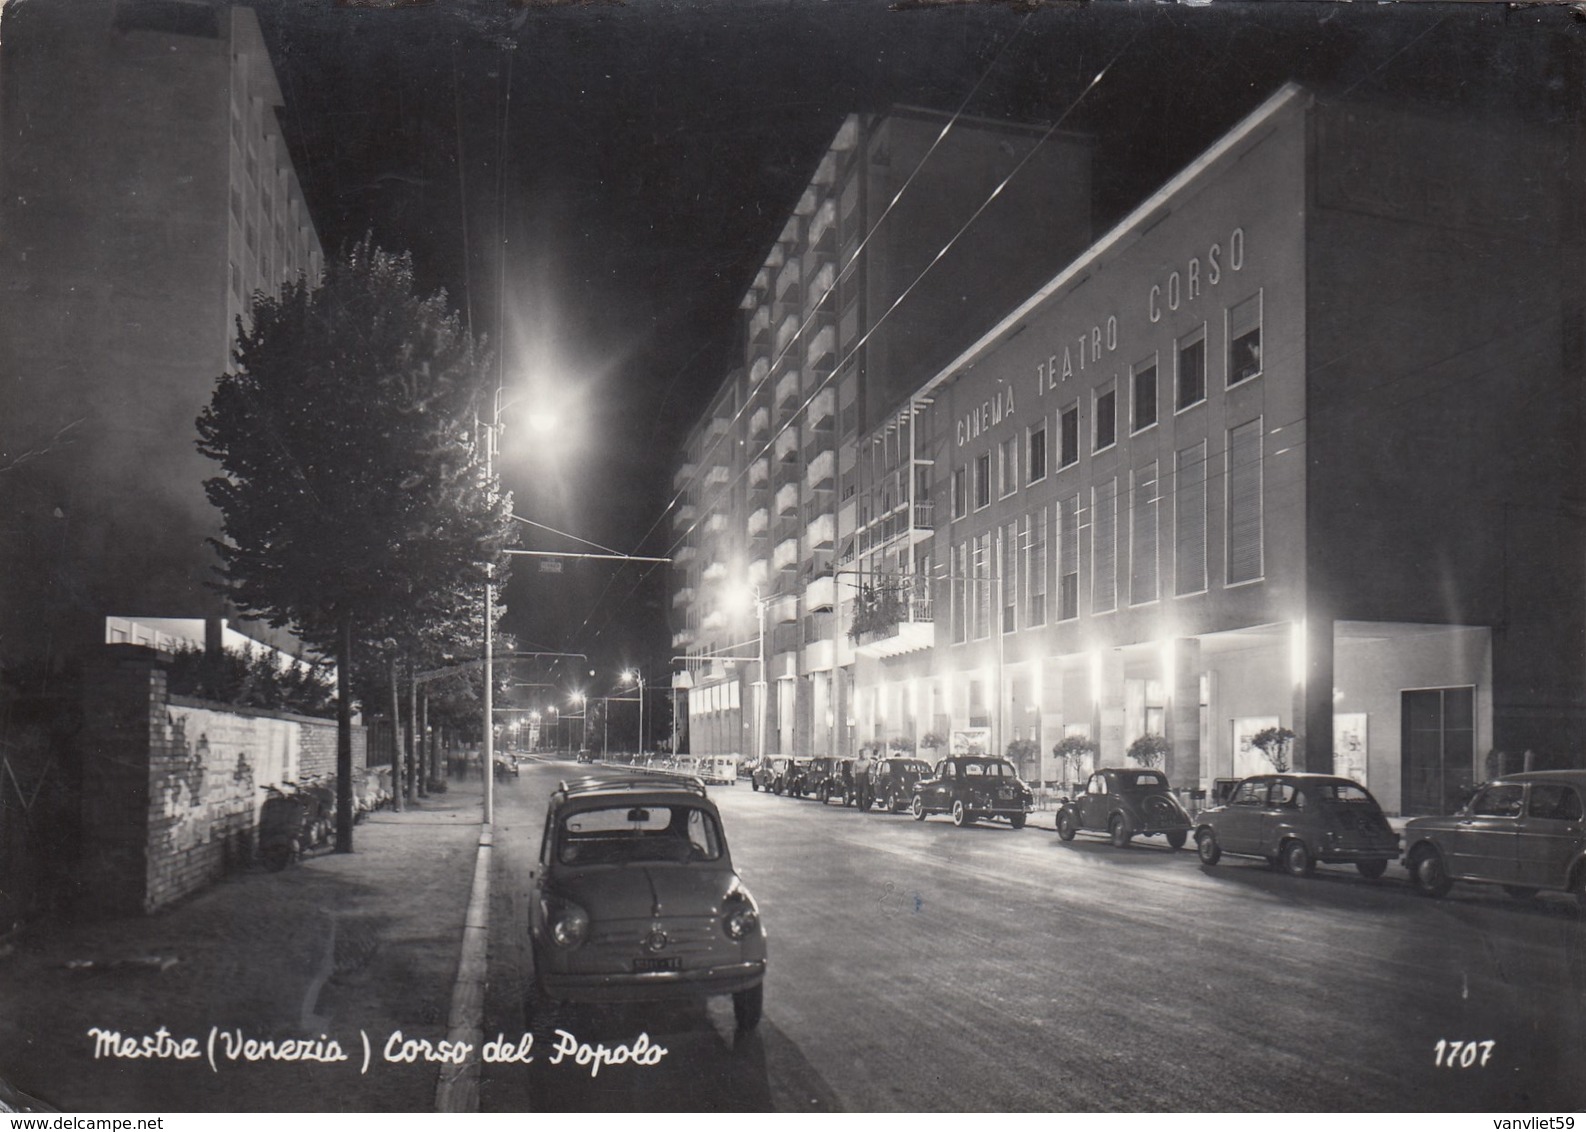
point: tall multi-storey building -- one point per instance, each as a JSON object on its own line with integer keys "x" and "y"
{"x": 145, "y": 194}
{"x": 867, "y": 292}
{"x": 1298, "y": 444}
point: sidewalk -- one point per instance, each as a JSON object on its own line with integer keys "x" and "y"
{"x": 336, "y": 949}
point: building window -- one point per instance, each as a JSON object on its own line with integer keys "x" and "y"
{"x": 1104, "y": 547}
{"x": 1244, "y": 502}
{"x": 1106, "y": 417}
{"x": 1143, "y": 537}
{"x": 1036, "y": 461}
{"x": 1144, "y": 401}
{"x": 1244, "y": 340}
{"x": 1068, "y": 559}
{"x": 1008, "y": 586}
{"x": 1069, "y": 437}
{"x": 1009, "y": 452}
{"x": 960, "y": 492}
{"x": 1035, "y": 568}
{"x": 982, "y": 480}
{"x": 1189, "y": 520}
{"x": 981, "y": 567}
{"x": 1192, "y": 369}
{"x": 957, "y": 588}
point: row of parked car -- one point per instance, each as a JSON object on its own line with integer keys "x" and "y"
{"x": 1525, "y": 832}
{"x": 967, "y": 787}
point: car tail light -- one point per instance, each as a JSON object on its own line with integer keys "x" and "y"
{"x": 740, "y": 918}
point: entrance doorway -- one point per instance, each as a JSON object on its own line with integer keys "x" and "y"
{"x": 1439, "y": 748}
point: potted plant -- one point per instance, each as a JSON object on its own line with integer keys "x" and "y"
{"x": 930, "y": 741}
{"x": 901, "y": 746}
{"x": 1150, "y": 750}
{"x": 1277, "y": 744}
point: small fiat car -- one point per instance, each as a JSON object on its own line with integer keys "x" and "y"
{"x": 971, "y": 787}
{"x": 1526, "y": 832}
{"x": 635, "y": 898}
{"x": 1295, "y": 820}
{"x": 830, "y": 779}
{"x": 1122, "y": 803}
{"x": 891, "y": 783}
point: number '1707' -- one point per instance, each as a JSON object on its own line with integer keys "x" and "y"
{"x": 1463, "y": 1055}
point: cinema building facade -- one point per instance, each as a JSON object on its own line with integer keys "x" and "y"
{"x": 1296, "y": 444}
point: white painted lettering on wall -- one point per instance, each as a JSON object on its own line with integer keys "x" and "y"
{"x": 1085, "y": 349}
{"x": 1182, "y": 287}
{"x": 983, "y": 416}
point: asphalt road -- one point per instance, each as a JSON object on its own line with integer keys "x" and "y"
{"x": 916, "y": 966}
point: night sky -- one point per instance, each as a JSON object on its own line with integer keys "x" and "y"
{"x": 623, "y": 168}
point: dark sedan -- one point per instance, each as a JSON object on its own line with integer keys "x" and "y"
{"x": 1124, "y": 802}
{"x": 1295, "y": 820}
{"x": 973, "y": 787}
{"x": 1526, "y": 832}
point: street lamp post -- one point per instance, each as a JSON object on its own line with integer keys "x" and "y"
{"x": 634, "y": 676}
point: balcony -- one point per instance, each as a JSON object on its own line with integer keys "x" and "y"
{"x": 822, "y": 289}
{"x": 685, "y": 553}
{"x": 826, "y": 171}
{"x": 823, "y": 409}
{"x": 786, "y": 555}
{"x": 760, "y": 472}
{"x": 787, "y": 499}
{"x": 717, "y": 428}
{"x": 891, "y": 621}
{"x": 821, "y": 592}
{"x": 822, "y": 532}
{"x": 806, "y": 204}
{"x": 783, "y": 608}
{"x": 758, "y": 571}
{"x": 684, "y": 473}
{"x": 824, "y": 223}
{"x": 684, "y": 515}
{"x": 760, "y": 325}
{"x": 823, "y": 350}
{"x": 718, "y": 474}
{"x": 716, "y": 523}
{"x": 760, "y": 423}
{"x": 682, "y": 638}
{"x": 759, "y": 519}
{"x": 787, "y": 283}
{"x": 787, "y": 391}
{"x": 821, "y": 469}
{"x": 786, "y": 332}
{"x": 786, "y": 447}
{"x": 684, "y": 595}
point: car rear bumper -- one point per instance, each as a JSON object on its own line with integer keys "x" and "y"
{"x": 1345, "y": 855}
{"x": 627, "y": 986}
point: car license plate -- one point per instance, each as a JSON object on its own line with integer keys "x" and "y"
{"x": 671, "y": 963}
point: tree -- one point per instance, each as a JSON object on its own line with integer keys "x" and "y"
{"x": 1074, "y": 751}
{"x": 1275, "y": 743}
{"x": 352, "y": 487}
{"x": 1150, "y": 750}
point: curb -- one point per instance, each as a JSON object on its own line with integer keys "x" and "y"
{"x": 458, "y": 1087}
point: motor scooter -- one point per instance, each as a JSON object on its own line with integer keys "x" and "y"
{"x": 284, "y": 828}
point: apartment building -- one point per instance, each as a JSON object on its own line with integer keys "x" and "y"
{"x": 867, "y": 292}
{"x": 1299, "y": 443}
{"x": 145, "y": 195}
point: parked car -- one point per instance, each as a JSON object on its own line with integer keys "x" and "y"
{"x": 796, "y": 781}
{"x": 770, "y": 774}
{"x": 890, "y": 783}
{"x": 717, "y": 770}
{"x": 635, "y": 898}
{"x": 973, "y": 787}
{"x": 1295, "y": 820}
{"x": 1526, "y": 832}
{"x": 1123, "y": 803}
{"x": 829, "y": 778}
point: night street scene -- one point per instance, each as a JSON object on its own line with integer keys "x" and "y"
{"x": 872, "y": 556}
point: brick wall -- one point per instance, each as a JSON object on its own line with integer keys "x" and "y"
{"x": 173, "y": 786}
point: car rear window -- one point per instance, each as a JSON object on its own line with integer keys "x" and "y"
{"x": 991, "y": 768}
{"x": 647, "y": 834}
{"x": 1340, "y": 792}
{"x": 1549, "y": 800}
{"x": 1142, "y": 781}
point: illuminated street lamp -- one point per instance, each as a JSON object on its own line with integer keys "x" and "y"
{"x": 583, "y": 729}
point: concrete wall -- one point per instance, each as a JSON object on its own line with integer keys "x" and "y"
{"x": 172, "y": 786}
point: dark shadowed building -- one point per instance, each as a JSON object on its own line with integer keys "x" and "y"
{"x": 145, "y": 194}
